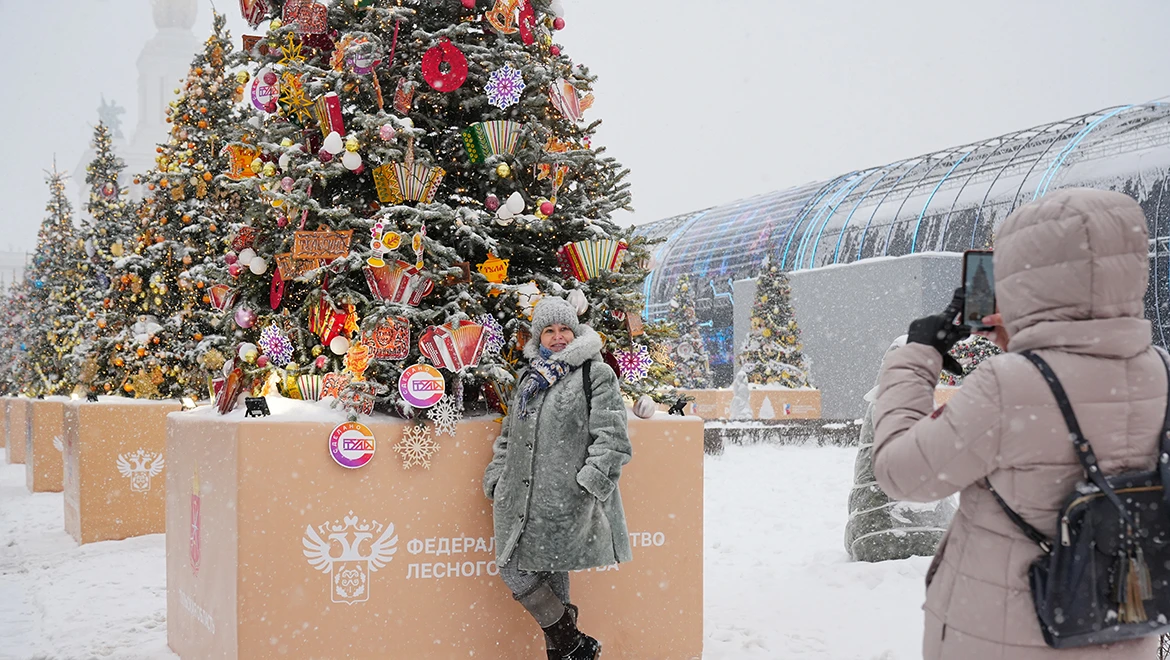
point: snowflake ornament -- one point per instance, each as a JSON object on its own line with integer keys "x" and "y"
{"x": 276, "y": 345}
{"x": 634, "y": 364}
{"x": 417, "y": 447}
{"x": 446, "y": 415}
{"x": 493, "y": 333}
{"x": 504, "y": 87}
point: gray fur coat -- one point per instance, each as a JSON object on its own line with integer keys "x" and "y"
{"x": 553, "y": 476}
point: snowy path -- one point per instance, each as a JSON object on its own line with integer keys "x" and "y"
{"x": 778, "y": 584}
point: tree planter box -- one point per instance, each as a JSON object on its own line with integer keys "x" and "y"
{"x": 4, "y": 401}
{"x": 783, "y": 403}
{"x": 252, "y": 502}
{"x": 42, "y": 450}
{"x": 708, "y": 404}
{"x": 114, "y": 461}
{"x": 15, "y": 428}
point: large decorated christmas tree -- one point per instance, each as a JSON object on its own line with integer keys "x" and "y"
{"x": 14, "y": 317}
{"x": 420, "y": 174}
{"x": 109, "y": 224}
{"x": 159, "y": 329}
{"x": 51, "y": 324}
{"x": 772, "y": 353}
{"x": 692, "y": 363}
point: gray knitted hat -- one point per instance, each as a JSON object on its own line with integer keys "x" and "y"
{"x": 552, "y": 310}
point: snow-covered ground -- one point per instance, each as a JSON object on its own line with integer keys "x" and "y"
{"x": 778, "y": 583}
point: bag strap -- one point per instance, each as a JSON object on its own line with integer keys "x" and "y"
{"x": 1083, "y": 449}
{"x": 1164, "y": 451}
{"x": 588, "y": 385}
{"x": 1031, "y": 532}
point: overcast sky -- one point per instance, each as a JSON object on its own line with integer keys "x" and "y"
{"x": 706, "y": 101}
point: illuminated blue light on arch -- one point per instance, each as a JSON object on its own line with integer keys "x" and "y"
{"x": 917, "y": 225}
{"x": 885, "y": 172}
{"x": 806, "y": 235}
{"x": 865, "y": 230}
{"x": 807, "y": 208}
{"x": 817, "y": 243}
{"x": 1050, "y": 172}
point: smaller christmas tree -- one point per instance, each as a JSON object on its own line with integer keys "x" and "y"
{"x": 50, "y": 332}
{"x": 772, "y": 353}
{"x": 13, "y": 318}
{"x": 692, "y": 364}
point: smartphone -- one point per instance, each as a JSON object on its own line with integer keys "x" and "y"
{"x": 979, "y": 286}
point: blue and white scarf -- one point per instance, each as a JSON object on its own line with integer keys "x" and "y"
{"x": 543, "y": 372}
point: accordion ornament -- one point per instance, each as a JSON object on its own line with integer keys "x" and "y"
{"x": 491, "y": 138}
{"x": 326, "y": 322}
{"x": 310, "y": 386}
{"x": 566, "y": 99}
{"x": 398, "y": 282}
{"x": 453, "y": 346}
{"x": 398, "y": 182}
{"x": 585, "y": 260}
{"x": 328, "y": 111}
{"x": 222, "y": 296}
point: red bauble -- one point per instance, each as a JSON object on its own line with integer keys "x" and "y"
{"x": 554, "y": 50}
{"x": 547, "y": 208}
{"x": 234, "y": 269}
{"x": 470, "y": 4}
{"x": 262, "y": 361}
{"x": 456, "y": 64}
{"x": 558, "y": 23}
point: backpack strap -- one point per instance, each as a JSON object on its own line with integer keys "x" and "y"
{"x": 1164, "y": 450}
{"x": 588, "y": 385}
{"x": 1031, "y": 532}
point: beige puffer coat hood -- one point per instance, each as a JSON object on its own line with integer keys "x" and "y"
{"x": 1071, "y": 272}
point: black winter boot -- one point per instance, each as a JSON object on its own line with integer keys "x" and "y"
{"x": 570, "y": 643}
{"x": 552, "y": 651}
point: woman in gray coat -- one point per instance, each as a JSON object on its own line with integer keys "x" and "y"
{"x": 554, "y": 473}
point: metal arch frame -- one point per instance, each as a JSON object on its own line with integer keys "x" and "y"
{"x": 833, "y": 211}
{"x": 885, "y": 172}
{"x": 1028, "y": 174}
{"x": 991, "y": 186}
{"x": 922, "y": 213}
{"x": 804, "y": 237}
{"x": 865, "y": 230}
{"x": 716, "y": 232}
{"x": 727, "y": 254}
{"x": 1054, "y": 167}
{"x": 685, "y": 225}
{"x": 909, "y": 193}
{"x": 1157, "y": 298}
{"x": 805, "y": 211}
{"x": 1006, "y": 140}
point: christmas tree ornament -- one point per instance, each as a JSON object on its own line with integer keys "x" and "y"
{"x": 545, "y": 208}
{"x": 404, "y": 96}
{"x": 634, "y": 364}
{"x": 276, "y": 290}
{"x": 444, "y": 67}
{"x": 265, "y": 90}
{"x": 222, "y": 296}
{"x": 332, "y": 384}
{"x": 516, "y": 203}
{"x": 242, "y": 77}
{"x": 557, "y": 7}
{"x": 645, "y": 407}
{"x": 240, "y": 158}
{"x": 503, "y": 171}
{"x": 352, "y": 160}
{"x": 262, "y": 361}
{"x": 505, "y": 86}
{"x": 326, "y": 245}
{"x": 339, "y": 345}
{"x": 287, "y": 183}
{"x": 324, "y": 156}
{"x": 292, "y": 98}
{"x": 327, "y": 109}
{"x": 568, "y": 101}
{"x": 445, "y": 415}
{"x": 398, "y": 282}
{"x": 269, "y": 170}
{"x": 326, "y": 322}
{"x": 357, "y": 360}
{"x": 306, "y": 16}
{"x": 333, "y": 143}
{"x": 247, "y": 352}
{"x": 351, "y": 143}
{"x": 453, "y": 346}
{"x": 421, "y": 385}
{"x": 469, "y": 4}
{"x": 495, "y": 269}
{"x": 388, "y": 339}
{"x": 310, "y": 386}
{"x": 246, "y": 256}
{"x": 276, "y": 345}
{"x": 491, "y": 138}
{"x": 558, "y": 23}
{"x": 554, "y": 50}
{"x": 584, "y": 260}
{"x": 245, "y": 317}
{"x": 493, "y": 334}
{"x": 502, "y": 16}
{"x": 491, "y": 203}
{"x": 397, "y": 182}
{"x": 417, "y": 243}
{"x": 417, "y": 447}
{"x": 578, "y": 300}
{"x": 527, "y": 295}
{"x": 387, "y": 132}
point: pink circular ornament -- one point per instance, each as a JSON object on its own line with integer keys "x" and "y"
{"x": 320, "y": 362}
{"x": 245, "y": 317}
{"x": 360, "y": 168}
{"x": 287, "y": 183}
{"x": 282, "y": 222}
{"x": 231, "y": 258}
{"x": 469, "y": 4}
{"x": 547, "y": 208}
{"x": 558, "y": 23}
{"x": 269, "y": 78}
{"x": 234, "y": 270}
{"x": 554, "y": 50}
{"x": 447, "y": 55}
{"x": 325, "y": 156}
{"x": 387, "y": 132}
{"x": 262, "y": 361}
{"x": 492, "y": 202}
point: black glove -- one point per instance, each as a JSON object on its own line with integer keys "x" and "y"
{"x": 941, "y": 332}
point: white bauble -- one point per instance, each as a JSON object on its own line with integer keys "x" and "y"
{"x": 645, "y": 407}
{"x": 351, "y": 160}
{"x": 515, "y": 203}
{"x": 246, "y": 256}
{"x": 333, "y": 143}
{"x": 246, "y": 348}
{"x": 339, "y": 345}
{"x": 578, "y": 300}
{"x": 258, "y": 265}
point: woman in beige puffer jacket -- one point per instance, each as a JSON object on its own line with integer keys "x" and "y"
{"x": 1071, "y": 271}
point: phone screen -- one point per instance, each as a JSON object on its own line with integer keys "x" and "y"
{"x": 979, "y": 285}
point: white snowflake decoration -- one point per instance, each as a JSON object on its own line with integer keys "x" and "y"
{"x": 417, "y": 446}
{"x": 634, "y": 364}
{"x": 493, "y": 333}
{"x": 446, "y": 415}
{"x": 505, "y": 87}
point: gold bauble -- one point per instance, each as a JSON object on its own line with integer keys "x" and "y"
{"x": 242, "y": 77}
{"x": 316, "y": 350}
{"x": 503, "y": 171}
{"x": 275, "y": 24}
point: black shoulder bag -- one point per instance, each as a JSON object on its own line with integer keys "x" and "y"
{"x": 1106, "y": 578}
